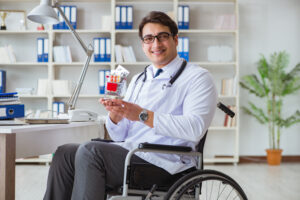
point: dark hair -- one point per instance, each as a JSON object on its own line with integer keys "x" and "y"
{"x": 159, "y": 18}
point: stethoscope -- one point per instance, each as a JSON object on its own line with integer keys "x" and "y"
{"x": 169, "y": 84}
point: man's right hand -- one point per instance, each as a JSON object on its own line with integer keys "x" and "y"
{"x": 109, "y": 105}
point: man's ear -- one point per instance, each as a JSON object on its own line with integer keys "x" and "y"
{"x": 176, "y": 39}
{"x": 142, "y": 43}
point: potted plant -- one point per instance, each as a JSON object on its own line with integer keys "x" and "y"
{"x": 272, "y": 85}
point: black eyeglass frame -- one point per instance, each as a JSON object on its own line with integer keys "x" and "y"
{"x": 157, "y": 37}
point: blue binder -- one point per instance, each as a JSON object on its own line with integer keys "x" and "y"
{"x": 12, "y": 111}
{"x": 45, "y": 49}
{"x": 186, "y": 48}
{"x": 186, "y": 17}
{"x": 129, "y": 20}
{"x": 118, "y": 17}
{"x": 102, "y": 49}
{"x": 56, "y": 26}
{"x": 68, "y": 15}
{"x": 2, "y": 81}
{"x": 123, "y": 17}
{"x": 101, "y": 81}
{"x": 103, "y": 73}
{"x": 61, "y": 24}
{"x": 40, "y": 47}
{"x": 96, "y": 50}
{"x": 183, "y": 16}
{"x": 107, "y": 49}
{"x": 180, "y": 47}
{"x": 180, "y": 17}
{"x": 73, "y": 16}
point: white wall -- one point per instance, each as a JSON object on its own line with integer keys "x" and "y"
{"x": 267, "y": 26}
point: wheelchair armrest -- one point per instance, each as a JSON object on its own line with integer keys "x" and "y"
{"x": 101, "y": 140}
{"x": 164, "y": 147}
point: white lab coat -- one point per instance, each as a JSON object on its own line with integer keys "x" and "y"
{"x": 182, "y": 113}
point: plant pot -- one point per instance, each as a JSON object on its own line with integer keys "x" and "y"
{"x": 274, "y": 156}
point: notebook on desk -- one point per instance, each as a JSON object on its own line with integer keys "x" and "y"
{"x": 46, "y": 121}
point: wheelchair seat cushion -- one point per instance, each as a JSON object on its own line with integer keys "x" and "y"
{"x": 144, "y": 175}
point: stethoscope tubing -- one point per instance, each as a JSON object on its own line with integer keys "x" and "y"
{"x": 170, "y": 83}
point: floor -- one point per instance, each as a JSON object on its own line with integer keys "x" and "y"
{"x": 259, "y": 181}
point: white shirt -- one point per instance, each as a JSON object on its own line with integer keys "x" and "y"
{"x": 182, "y": 113}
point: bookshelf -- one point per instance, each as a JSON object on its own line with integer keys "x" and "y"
{"x": 202, "y": 34}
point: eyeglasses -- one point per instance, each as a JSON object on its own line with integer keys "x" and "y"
{"x": 161, "y": 37}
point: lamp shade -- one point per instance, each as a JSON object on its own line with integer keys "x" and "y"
{"x": 43, "y": 13}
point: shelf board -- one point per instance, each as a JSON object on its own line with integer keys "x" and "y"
{"x": 221, "y": 128}
{"x": 81, "y": 64}
{"x": 109, "y": 31}
{"x": 227, "y": 96}
{"x": 214, "y": 63}
{"x": 127, "y": 30}
{"x": 83, "y": 31}
{"x": 25, "y": 64}
{"x": 134, "y": 63}
{"x": 32, "y": 96}
{"x": 80, "y": 96}
{"x": 208, "y": 1}
{"x": 183, "y": 31}
{"x": 23, "y": 32}
{"x": 220, "y": 160}
{"x": 210, "y": 31}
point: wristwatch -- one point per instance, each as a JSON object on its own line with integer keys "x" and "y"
{"x": 143, "y": 116}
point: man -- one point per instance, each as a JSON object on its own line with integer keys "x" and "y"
{"x": 153, "y": 110}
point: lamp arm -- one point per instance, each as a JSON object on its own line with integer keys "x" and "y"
{"x": 75, "y": 34}
{"x": 89, "y": 52}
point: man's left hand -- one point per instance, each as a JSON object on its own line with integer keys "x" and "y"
{"x": 128, "y": 110}
{"x": 131, "y": 111}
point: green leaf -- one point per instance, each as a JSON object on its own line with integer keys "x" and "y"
{"x": 263, "y": 67}
{"x": 256, "y": 112}
{"x": 251, "y": 83}
{"x": 293, "y": 119}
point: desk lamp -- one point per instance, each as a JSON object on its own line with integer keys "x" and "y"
{"x": 45, "y": 14}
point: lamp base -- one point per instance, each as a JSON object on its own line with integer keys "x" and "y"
{"x": 2, "y": 27}
{"x": 80, "y": 115}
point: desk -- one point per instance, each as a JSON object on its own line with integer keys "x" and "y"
{"x": 32, "y": 140}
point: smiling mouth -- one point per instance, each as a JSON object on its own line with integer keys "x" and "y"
{"x": 158, "y": 52}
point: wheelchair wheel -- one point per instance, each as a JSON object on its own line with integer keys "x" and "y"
{"x": 205, "y": 184}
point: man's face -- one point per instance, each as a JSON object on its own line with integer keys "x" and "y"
{"x": 160, "y": 53}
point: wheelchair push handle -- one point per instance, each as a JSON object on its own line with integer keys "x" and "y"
{"x": 226, "y": 109}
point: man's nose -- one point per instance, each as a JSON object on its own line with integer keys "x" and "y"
{"x": 156, "y": 42}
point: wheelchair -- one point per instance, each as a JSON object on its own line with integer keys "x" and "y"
{"x": 195, "y": 183}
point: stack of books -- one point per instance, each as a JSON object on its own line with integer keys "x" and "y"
{"x": 228, "y": 121}
{"x": 7, "y": 54}
{"x": 124, "y": 54}
{"x": 11, "y": 106}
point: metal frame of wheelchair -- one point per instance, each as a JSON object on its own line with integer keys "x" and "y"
{"x": 190, "y": 185}
{"x": 191, "y": 178}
